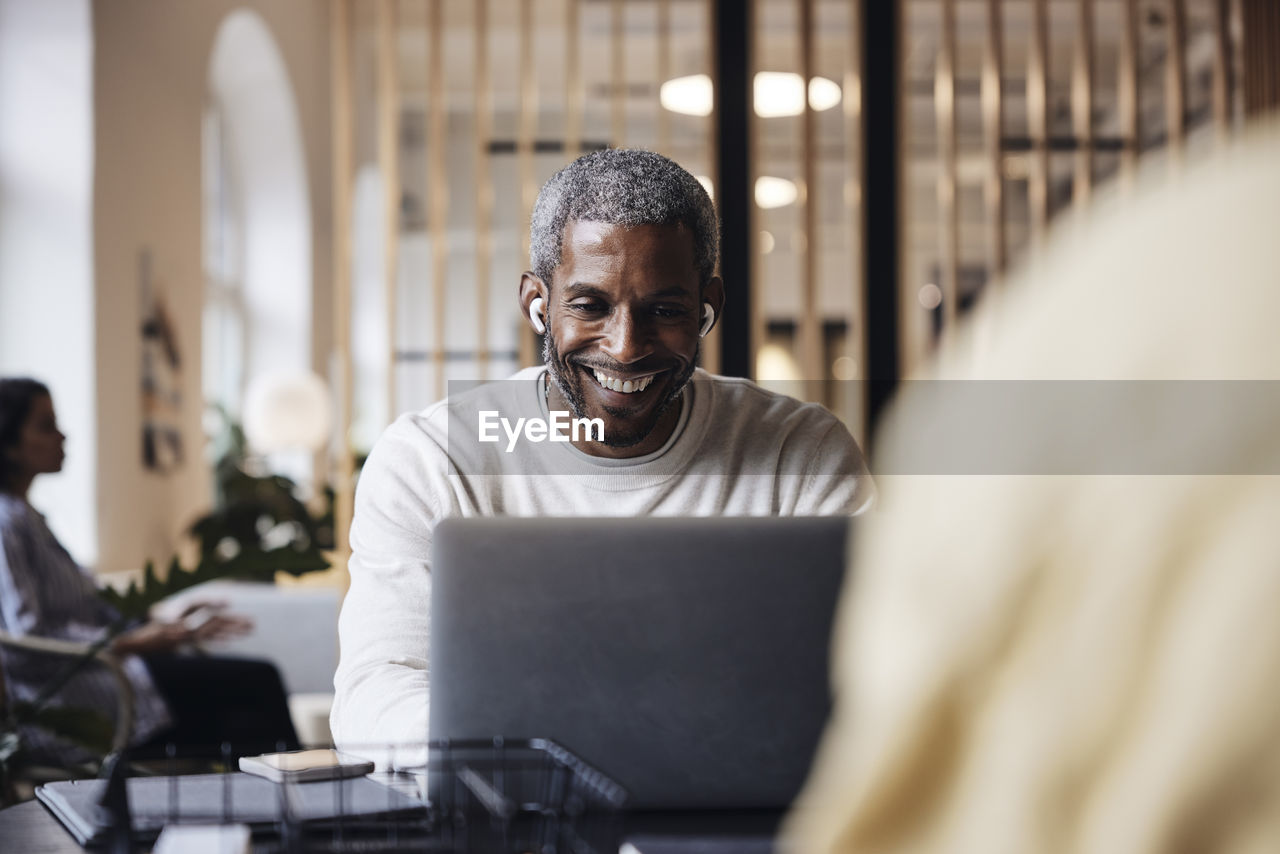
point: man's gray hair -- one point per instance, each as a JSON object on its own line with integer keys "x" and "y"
{"x": 623, "y": 186}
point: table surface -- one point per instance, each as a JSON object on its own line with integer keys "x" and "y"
{"x": 29, "y": 828}
{"x": 32, "y": 829}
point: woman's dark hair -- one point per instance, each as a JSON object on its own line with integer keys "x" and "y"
{"x": 16, "y": 397}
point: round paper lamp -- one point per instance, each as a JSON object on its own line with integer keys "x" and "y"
{"x": 287, "y": 411}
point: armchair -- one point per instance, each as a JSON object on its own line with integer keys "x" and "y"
{"x": 30, "y": 774}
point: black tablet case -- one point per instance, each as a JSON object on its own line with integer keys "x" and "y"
{"x": 220, "y": 798}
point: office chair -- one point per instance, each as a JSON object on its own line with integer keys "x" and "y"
{"x": 25, "y": 776}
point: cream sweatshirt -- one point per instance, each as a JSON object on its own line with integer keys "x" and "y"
{"x": 737, "y": 450}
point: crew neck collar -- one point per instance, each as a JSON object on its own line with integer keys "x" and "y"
{"x": 687, "y": 405}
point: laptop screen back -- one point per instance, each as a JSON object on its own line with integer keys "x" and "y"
{"x": 685, "y": 658}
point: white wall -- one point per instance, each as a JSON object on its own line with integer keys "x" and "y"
{"x": 46, "y": 272}
{"x": 151, "y": 74}
{"x": 248, "y": 78}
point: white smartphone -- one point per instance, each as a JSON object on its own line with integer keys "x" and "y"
{"x": 305, "y": 766}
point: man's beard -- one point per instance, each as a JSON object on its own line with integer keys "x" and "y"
{"x": 568, "y": 380}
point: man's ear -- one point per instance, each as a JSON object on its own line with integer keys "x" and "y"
{"x": 713, "y": 295}
{"x": 533, "y": 288}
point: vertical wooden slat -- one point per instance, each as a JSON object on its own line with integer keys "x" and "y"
{"x": 343, "y": 175}
{"x": 617, "y": 76}
{"x": 1253, "y": 20}
{"x": 1175, "y": 77}
{"x": 438, "y": 192}
{"x": 1223, "y": 62}
{"x": 712, "y": 344}
{"x": 944, "y": 102}
{"x": 524, "y": 154}
{"x": 663, "y": 72}
{"x": 885, "y": 131}
{"x": 992, "y": 133}
{"x": 733, "y": 44}
{"x": 1249, "y": 19}
{"x": 810, "y": 332}
{"x": 388, "y": 111}
{"x": 855, "y": 343}
{"x": 1127, "y": 94}
{"x": 1261, "y": 27}
{"x": 484, "y": 182}
{"x": 1236, "y": 96}
{"x": 1261, "y": 55}
{"x": 758, "y": 325}
{"x": 573, "y": 82}
{"x": 1038, "y": 120}
{"x": 1082, "y": 103}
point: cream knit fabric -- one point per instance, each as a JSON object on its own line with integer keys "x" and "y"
{"x": 1081, "y": 663}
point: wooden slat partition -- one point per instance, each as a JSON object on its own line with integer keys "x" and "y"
{"x": 758, "y": 328}
{"x": 1261, "y": 27}
{"x": 663, "y": 70}
{"x": 617, "y": 76}
{"x": 1127, "y": 104}
{"x": 992, "y": 133}
{"x": 1038, "y": 120}
{"x": 524, "y": 155}
{"x": 573, "y": 82}
{"x": 855, "y": 342}
{"x": 388, "y": 112}
{"x": 944, "y": 102}
{"x": 437, "y": 189}
{"x": 1223, "y": 62}
{"x": 343, "y": 173}
{"x": 1082, "y": 103}
{"x": 1175, "y": 78}
{"x": 711, "y": 345}
{"x": 810, "y": 331}
{"x": 484, "y": 181}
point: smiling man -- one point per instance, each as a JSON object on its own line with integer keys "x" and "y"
{"x": 624, "y": 247}
{"x": 624, "y": 313}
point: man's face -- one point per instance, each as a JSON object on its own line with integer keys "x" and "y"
{"x": 622, "y": 318}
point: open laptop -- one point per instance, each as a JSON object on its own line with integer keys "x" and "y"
{"x": 685, "y": 658}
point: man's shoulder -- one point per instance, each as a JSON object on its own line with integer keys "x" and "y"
{"x": 742, "y": 400}
{"x": 755, "y": 430}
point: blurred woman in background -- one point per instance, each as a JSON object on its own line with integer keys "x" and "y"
{"x": 193, "y": 702}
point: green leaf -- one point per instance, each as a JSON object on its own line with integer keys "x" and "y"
{"x": 258, "y": 528}
{"x": 249, "y": 564}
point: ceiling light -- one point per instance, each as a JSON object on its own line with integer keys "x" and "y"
{"x": 823, "y": 94}
{"x": 781, "y": 93}
{"x": 690, "y": 96}
{"x": 775, "y": 192}
{"x": 777, "y": 93}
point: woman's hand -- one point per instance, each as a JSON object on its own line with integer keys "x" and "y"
{"x": 197, "y": 624}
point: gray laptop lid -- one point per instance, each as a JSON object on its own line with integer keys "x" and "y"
{"x": 686, "y": 658}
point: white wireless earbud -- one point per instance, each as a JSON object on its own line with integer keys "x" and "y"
{"x": 535, "y": 315}
{"x": 708, "y": 320}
